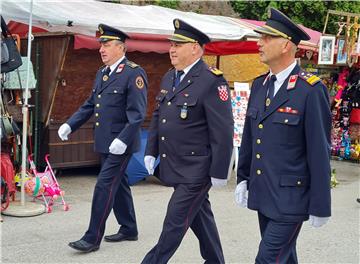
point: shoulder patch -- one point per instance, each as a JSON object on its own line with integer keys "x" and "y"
{"x": 132, "y": 64}
{"x": 215, "y": 71}
{"x": 309, "y": 77}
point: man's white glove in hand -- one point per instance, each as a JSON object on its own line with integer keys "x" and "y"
{"x": 117, "y": 147}
{"x": 217, "y": 183}
{"x": 149, "y": 164}
{"x": 317, "y": 221}
{"x": 241, "y": 194}
{"x": 64, "y": 131}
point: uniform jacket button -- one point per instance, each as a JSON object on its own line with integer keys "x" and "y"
{"x": 163, "y": 155}
{"x": 258, "y": 172}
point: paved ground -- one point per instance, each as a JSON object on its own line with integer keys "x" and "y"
{"x": 44, "y": 238}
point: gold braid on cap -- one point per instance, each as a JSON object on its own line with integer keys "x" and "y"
{"x": 110, "y": 37}
{"x": 277, "y": 32}
{"x": 185, "y": 38}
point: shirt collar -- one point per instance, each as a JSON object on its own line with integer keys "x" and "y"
{"x": 281, "y": 76}
{"x": 113, "y": 66}
{"x": 188, "y": 68}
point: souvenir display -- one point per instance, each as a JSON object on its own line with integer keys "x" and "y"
{"x": 345, "y": 135}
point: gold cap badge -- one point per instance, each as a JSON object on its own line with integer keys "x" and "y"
{"x": 101, "y": 30}
{"x": 177, "y": 23}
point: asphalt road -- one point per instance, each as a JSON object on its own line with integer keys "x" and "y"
{"x": 44, "y": 238}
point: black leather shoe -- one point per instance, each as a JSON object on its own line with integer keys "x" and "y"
{"x": 120, "y": 237}
{"x": 83, "y": 246}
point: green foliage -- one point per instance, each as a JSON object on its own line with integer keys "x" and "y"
{"x": 174, "y": 4}
{"x": 311, "y": 14}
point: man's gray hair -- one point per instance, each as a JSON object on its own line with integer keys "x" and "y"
{"x": 119, "y": 42}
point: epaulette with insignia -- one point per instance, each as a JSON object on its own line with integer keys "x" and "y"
{"x": 309, "y": 77}
{"x": 215, "y": 71}
{"x": 132, "y": 64}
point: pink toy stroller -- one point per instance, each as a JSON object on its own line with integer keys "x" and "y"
{"x": 46, "y": 186}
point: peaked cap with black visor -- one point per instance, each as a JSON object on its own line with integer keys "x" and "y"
{"x": 280, "y": 25}
{"x": 108, "y": 33}
{"x": 185, "y": 33}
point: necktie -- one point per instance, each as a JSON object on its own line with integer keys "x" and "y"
{"x": 271, "y": 89}
{"x": 177, "y": 79}
{"x": 106, "y": 74}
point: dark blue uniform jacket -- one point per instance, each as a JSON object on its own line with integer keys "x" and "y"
{"x": 285, "y": 150}
{"x": 119, "y": 106}
{"x": 192, "y": 128}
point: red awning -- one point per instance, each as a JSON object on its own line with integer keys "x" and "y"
{"x": 22, "y": 29}
{"x": 231, "y": 47}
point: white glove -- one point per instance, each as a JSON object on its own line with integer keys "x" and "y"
{"x": 241, "y": 194}
{"x": 217, "y": 183}
{"x": 64, "y": 131}
{"x": 317, "y": 221}
{"x": 149, "y": 164}
{"x": 117, "y": 147}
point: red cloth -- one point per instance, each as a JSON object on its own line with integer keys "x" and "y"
{"x": 7, "y": 171}
{"x": 355, "y": 116}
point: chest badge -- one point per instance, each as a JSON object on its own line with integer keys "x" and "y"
{"x": 267, "y": 102}
{"x": 184, "y": 112}
{"x": 105, "y": 78}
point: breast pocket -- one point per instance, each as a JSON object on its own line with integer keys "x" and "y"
{"x": 286, "y": 128}
{"x": 114, "y": 97}
{"x": 186, "y": 107}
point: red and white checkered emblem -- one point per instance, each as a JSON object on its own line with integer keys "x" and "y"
{"x": 223, "y": 93}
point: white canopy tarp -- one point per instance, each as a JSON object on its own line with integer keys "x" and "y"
{"x": 85, "y": 15}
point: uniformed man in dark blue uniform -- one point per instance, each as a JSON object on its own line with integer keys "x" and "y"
{"x": 191, "y": 130}
{"x": 284, "y": 159}
{"x": 118, "y": 101}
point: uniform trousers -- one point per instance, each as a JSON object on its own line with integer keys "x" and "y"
{"x": 189, "y": 206}
{"x": 111, "y": 191}
{"x": 278, "y": 241}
